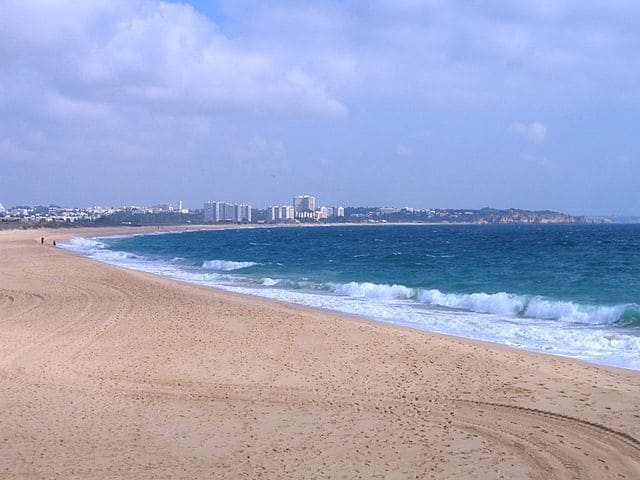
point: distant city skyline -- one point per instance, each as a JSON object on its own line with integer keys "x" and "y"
{"x": 179, "y": 205}
{"x": 529, "y": 104}
{"x": 216, "y": 212}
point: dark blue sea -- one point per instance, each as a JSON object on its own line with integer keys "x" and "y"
{"x": 571, "y": 290}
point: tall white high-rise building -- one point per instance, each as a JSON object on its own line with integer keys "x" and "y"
{"x": 304, "y": 203}
{"x": 242, "y": 213}
{"x": 287, "y": 213}
{"x": 338, "y": 211}
{"x": 211, "y": 212}
{"x": 273, "y": 214}
{"x": 215, "y": 212}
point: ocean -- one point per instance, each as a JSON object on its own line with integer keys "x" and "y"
{"x": 570, "y": 290}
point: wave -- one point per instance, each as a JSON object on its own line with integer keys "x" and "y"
{"x": 226, "y": 265}
{"x": 536, "y": 307}
{"x": 94, "y": 248}
{"x": 501, "y": 303}
{"x": 84, "y": 243}
{"x": 597, "y": 333}
{"x": 373, "y": 290}
{"x": 577, "y": 313}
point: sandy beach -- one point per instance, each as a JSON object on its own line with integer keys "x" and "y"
{"x": 112, "y": 373}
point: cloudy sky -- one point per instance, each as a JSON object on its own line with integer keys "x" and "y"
{"x": 531, "y": 104}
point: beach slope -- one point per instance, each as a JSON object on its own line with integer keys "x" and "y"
{"x": 110, "y": 373}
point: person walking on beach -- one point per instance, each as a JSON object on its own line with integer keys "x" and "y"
{"x": 41, "y": 240}
{"x": 54, "y": 243}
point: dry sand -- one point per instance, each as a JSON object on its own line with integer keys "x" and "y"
{"x": 110, "y": 373}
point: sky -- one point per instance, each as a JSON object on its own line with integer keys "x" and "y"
{"x": 434, "y": 104}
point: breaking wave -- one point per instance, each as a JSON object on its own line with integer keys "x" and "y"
{"x": 96, "y": 249}
{"x": 604, "y": 333}
{"x": 84, "y": 243}
{"x": 226, "y": 265}
{"x": 500, "y": 303}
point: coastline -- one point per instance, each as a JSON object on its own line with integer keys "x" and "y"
{"x": 620, "y": 359}
{"x": 221, "y": 384}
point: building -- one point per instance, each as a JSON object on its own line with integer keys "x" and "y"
{"x": 388, "y": 210}
{"x": 210, "y": 212}
{"x": 161, "y": 207}
{"x": 338, "y": 211}
{"x": 214, "y": 212}
{"x": 280, "y": 214}
{"x": 306, "y": 216}
{"x": 242, "y": 213}
{"x": 181, "y": 208}
{"x": 323, "y": 213}
{"x": 304, "y": 203}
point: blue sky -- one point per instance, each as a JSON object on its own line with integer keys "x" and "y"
{"x": 529, "y": 104}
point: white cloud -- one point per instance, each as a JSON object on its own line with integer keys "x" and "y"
{"x": 117, "y": 87}
{"x": 153, "y": 55}
{"x": 534, "y": 132}
{"x": 439, "y": 53}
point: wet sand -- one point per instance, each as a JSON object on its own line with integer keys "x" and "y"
{"x": 111, "y": 373}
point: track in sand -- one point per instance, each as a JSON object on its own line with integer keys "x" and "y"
{"x": 110, "y": 373}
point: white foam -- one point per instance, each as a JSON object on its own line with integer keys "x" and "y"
{"x": 500, "y": 303}
{"x": 599, "y": 345}
{"x": 84, "y": 243}
{"x": 94, "y": 248}
{"x": 534, "y": 323}
{"x": 571, "y": 312}
{"x": 373, "y": 290}
{"x": 226, "y": 265}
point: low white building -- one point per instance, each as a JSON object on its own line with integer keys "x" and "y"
{"x": 388, "y": 210}
{"x": 323, "y": 213}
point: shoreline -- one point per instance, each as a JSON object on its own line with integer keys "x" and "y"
{"x": 215, "y": 226}
{"x": 256, "y": 294}
{"x": 113, "y": 372}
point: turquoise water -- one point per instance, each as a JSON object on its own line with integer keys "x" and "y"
{"x": 567, "y": 290}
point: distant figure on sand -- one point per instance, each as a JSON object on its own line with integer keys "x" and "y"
{"x": 41, "y": 240}
{"x": 54, "y": 243}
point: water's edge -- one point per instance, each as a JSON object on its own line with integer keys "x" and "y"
{"x": 387, "y": 304}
